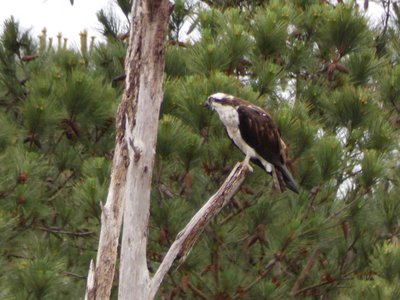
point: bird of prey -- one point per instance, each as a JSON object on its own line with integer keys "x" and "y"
{"x": 255, "y": 133}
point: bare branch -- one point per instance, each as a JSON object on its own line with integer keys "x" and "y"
{"x": 263, "y": 273}
{"x": 72, "y": 274}
{"x": 57, "y": 230}
{"x": 136, "y": 132}
{"x": 320, "y": 284}
{"x": 144, "y": 71}
{"x": 304, "y": 273}
{"x": 90, "y": 286}
{"x": 189, "y": 235}
{"x": 197, "y": 291}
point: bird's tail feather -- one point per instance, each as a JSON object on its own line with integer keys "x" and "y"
{"x": 288, "y": 178}
{"x": 278, "y": 181}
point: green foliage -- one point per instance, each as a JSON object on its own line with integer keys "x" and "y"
{"x": 175, "y": 61}
{"x": 125, "y": 6}
{"x": 7, "y": 133}
{"x": 109, "y": 59}
{"x": 177, "y": 20}
{"x": 271, "y": 30}
{"x": 15, "y": 41}
{"x": 378, "y": 135}
{"x": 41, "y": 276}
{"x": 208, "y": 55}
{"x": 235, "y": 40}
{"x": 327, "y": 153}
{"x": 343, "y": 28}
{"x": 347, "y": 107}
{"x": 210, "y": 21}
{"x": 388, "y": 209}
{"x": 389, "y": 86}
{"x": 111, "y": 24}
{"x": 331, "y": 83}
{"x": 362, "y": 66}
{"x": 172, "y": 129}
{"x": 377, "y": 289}
{"x": 38, "y": 114}
{"x": 298, "y": 130}
{"x": 373, "y": 168}
{"x": 56, "y": 115}
{"x": 14, "y": 45}
{"x": 267, "y": 76}
{"x": 312, "y": 67}
{"x": 385, "y": 262}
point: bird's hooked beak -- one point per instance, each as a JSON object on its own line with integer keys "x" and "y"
{"x": 207, "y": 103}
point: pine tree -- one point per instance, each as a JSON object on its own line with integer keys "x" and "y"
{"x": 317, "y": 69}
{"x": 57, "y": 119}
{"x": 328, "y": 77}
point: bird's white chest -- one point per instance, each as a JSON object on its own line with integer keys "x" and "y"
{"x": 230, "y": 117}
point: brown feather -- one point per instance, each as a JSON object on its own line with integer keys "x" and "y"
{"x": 260, "y": 132}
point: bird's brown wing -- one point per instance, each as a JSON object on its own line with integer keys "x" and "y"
{"x": 260, "y": 132}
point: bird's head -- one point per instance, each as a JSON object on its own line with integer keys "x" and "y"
{"x": 218, "y": 99}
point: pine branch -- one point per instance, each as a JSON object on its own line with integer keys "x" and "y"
{"x": 322, "y": 283}
{"x": 72, "y": 274}
{"x": 11, "y": 255}
{"x": 304, "y": 273}
{"x": 345, "y": 207}
{"x": 234, "y": 214}
{"x": 310, "y": 207}
{"x": 189, "y": 235}
{"x": 5, "y": 193}
{"x": 61, "y": 231}
{"x": 386, "y": 7}
{"x": 264, "y": 272}
{"x": 237, "y": 212}
{"x": 61, "y": 187}
{"x": 262, "y": 275}
{"x": 200, "y": 279}
{"x": 198, "y": 292}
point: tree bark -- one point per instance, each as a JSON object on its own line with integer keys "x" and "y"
{"x": 136, "y": 132}
{"x": 145, "y": 69}
{"x": 129, "y": 192}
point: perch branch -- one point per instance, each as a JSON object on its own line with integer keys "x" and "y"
{"x": 189, "y": 235}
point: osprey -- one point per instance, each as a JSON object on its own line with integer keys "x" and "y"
{"x": 255, "y": 133}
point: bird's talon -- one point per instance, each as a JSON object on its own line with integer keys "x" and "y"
{"x": 247, "y": 165}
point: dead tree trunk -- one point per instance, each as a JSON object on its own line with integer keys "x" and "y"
{"x": 137, "y": 122}
{"x": 129, "y": 192}
{"x": 146, "y": 67}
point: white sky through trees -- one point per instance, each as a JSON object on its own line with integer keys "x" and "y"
{"x": 57, "y": 16}
{"x": 60, "y": 16}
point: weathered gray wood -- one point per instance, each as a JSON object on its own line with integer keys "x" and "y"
{"x": 189, "y": 235}
{"x": 90, "y": 282}
{"x": 145, "y": 70}
{"x": 130, "y": 186}
{"x": 136, "y": 131}
{"x": 111, "y": 218}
